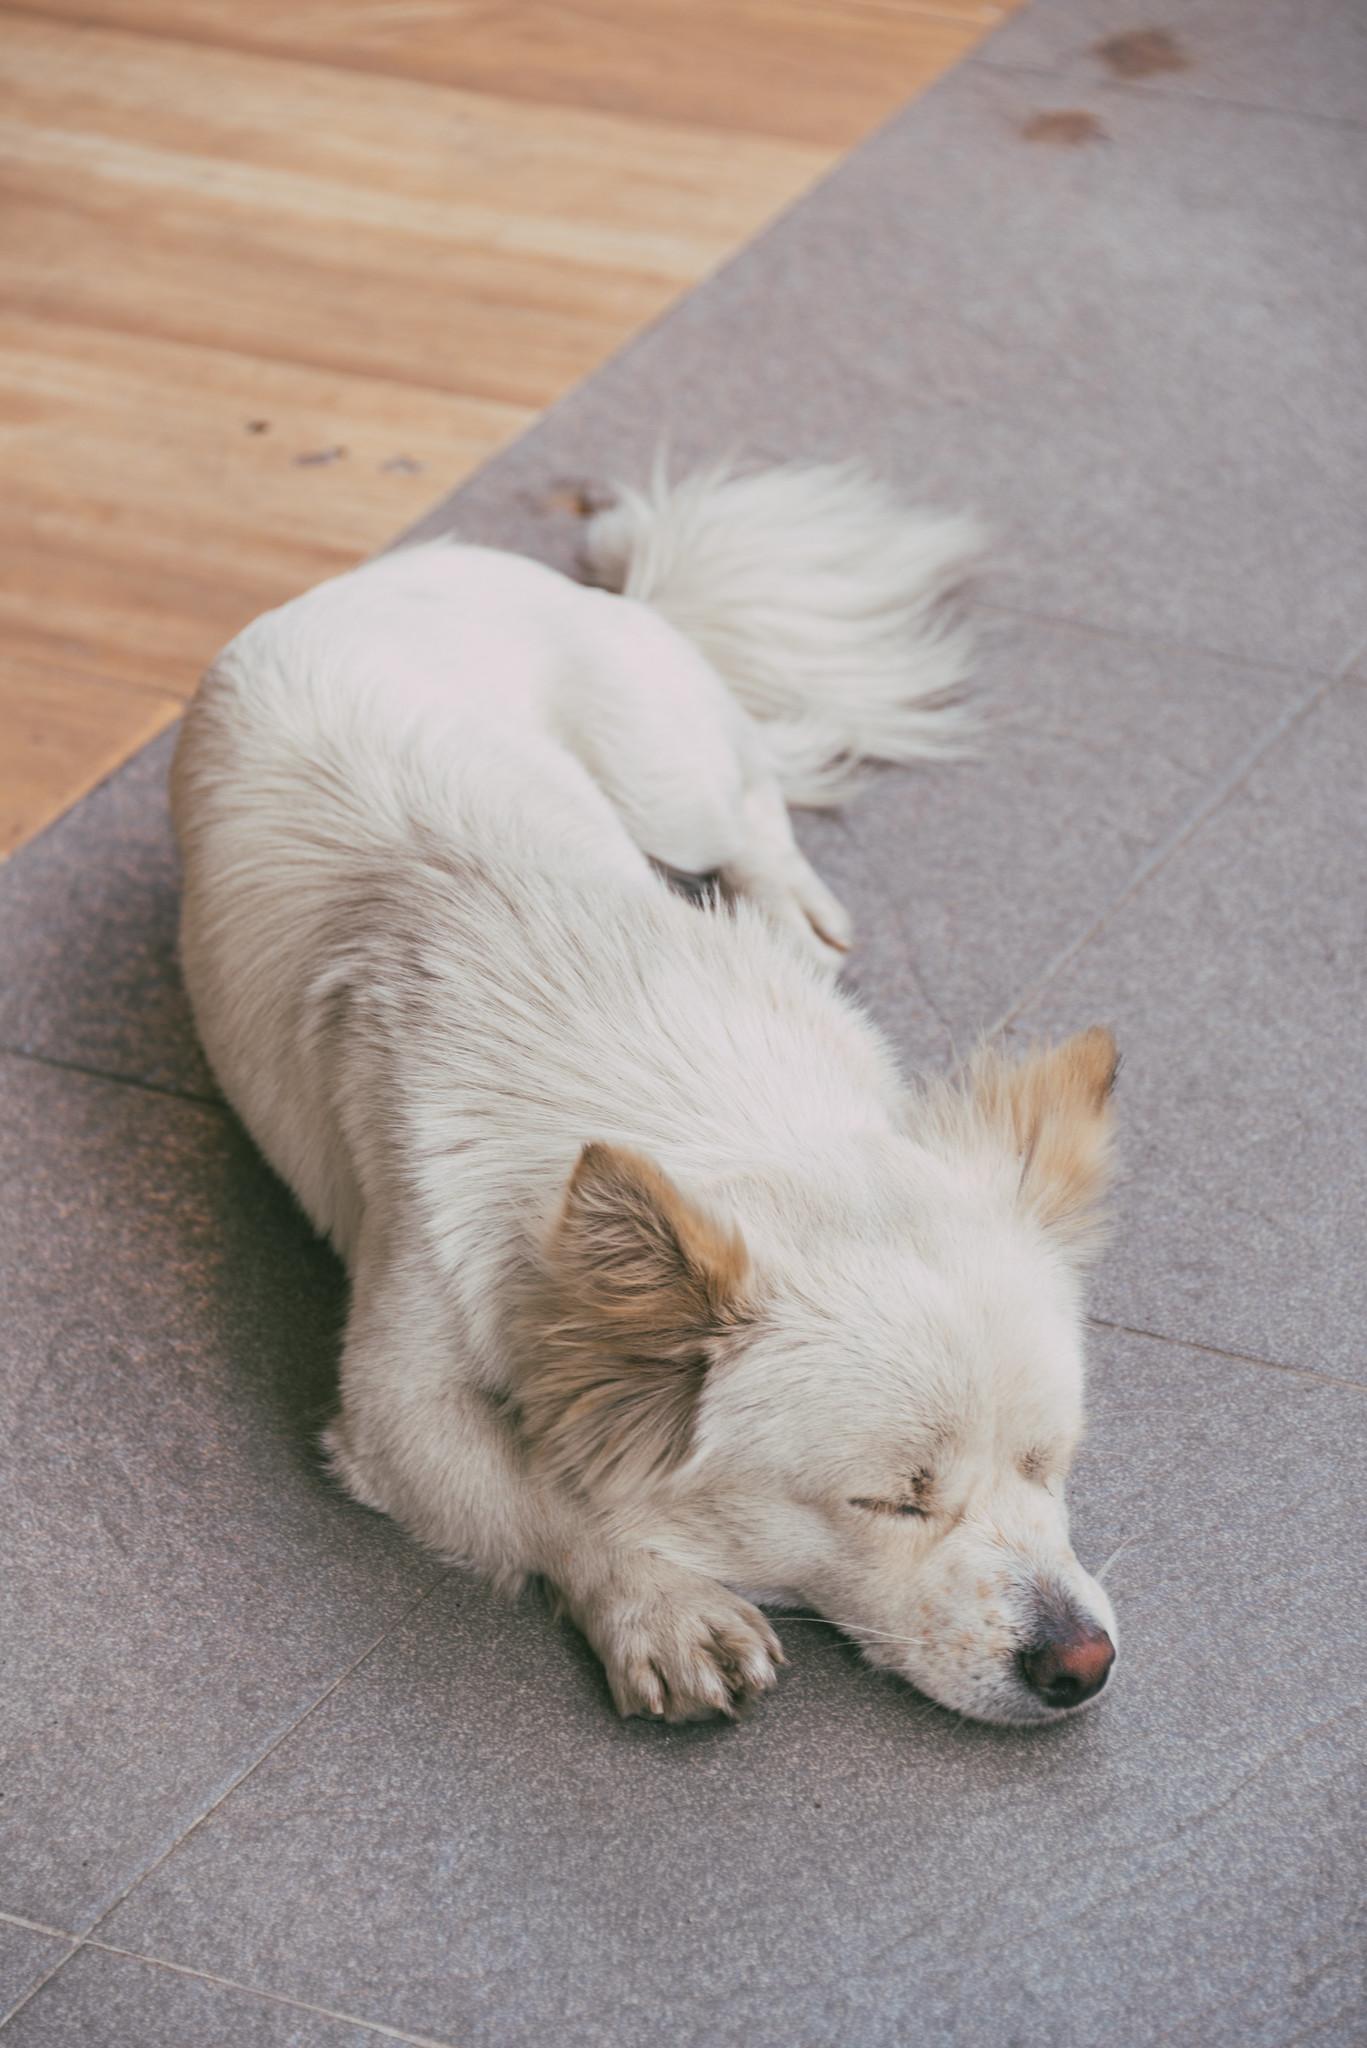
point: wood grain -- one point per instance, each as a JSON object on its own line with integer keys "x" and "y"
{"x": 170, "y": 491}
{"x": 817, "y": 71}
{"x": 273, "y": 279}
{"x": 61, "y": 738}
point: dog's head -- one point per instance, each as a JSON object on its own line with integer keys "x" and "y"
{"x": 856, "y": 1381}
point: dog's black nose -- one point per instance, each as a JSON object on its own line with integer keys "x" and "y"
{"x": 1068, "y": 1668}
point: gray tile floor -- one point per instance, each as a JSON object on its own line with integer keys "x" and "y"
{"x": 270, "y": 1777}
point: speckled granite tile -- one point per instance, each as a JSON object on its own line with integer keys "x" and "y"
{"x": 108, "y": 2001}
{"x": 1137, "y": 356}
{"x": 180, "y": 1583}
{"x": 464, "y": 1841}
{"x": 88, "y": 914}
{"x": 1132, "y": 342}
{"x": 1295, "y": 56}
{"x": 1236, "y": 980}
{"x": 25, "y": 1958}
{"x": 119, "y": 2001}
{"x": 966, "y": 880}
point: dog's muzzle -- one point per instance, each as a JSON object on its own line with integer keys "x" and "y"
{"x": 1067, "y": 1664}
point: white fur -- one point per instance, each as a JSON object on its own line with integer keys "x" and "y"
{"x": 430, "y": 959}
{"x": 816, "y": 597}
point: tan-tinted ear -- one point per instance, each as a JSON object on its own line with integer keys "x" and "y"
{"x": 1053, "y": 1109}
{"x": 642, "y": 1287}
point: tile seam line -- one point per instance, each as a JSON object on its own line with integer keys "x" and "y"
{"x": 44, "y": 1980}
{"x": 1132, "y": 636}
{"x": 61, "y": 1066}
{"x": 255, "y": 1765}
{"x": 1248, "y": 1358}
{"x": 1324, "y": 682}
{"x": 379, "y": 2027}
{"x": 1060, "y": 72}
{"x": 1156, "y": 861}
{"x": 37, "y": 1926}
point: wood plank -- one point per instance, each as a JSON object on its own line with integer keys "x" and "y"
{"x": 272, "y": 279}
{"x": 816, "y": 71}
{"x": 501, "y": 251}
{"x": 558, "y": 180}
{"x": 157, "y": 495}
{"x": 62, "y": 738}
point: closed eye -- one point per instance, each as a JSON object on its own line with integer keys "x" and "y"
{"x": 911, "y": 1508}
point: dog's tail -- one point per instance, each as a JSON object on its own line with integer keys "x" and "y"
{"x": 817, "y": 594}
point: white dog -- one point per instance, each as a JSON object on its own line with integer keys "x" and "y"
{"x": 664, "y": 1283}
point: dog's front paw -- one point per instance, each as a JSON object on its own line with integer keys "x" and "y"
{"x": 678, "y": 1646}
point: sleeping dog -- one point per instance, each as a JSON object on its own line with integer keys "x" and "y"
{"x": 666, "y": 1286}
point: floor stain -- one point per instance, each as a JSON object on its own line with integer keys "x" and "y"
{"x": 1065, "y": 127}
{"x": 317, "y": 456}
{"x": 1142, "y": 52}
{"x": 577, "y": 496}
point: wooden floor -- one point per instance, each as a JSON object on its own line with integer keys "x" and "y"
{"x": 274, "y": 277}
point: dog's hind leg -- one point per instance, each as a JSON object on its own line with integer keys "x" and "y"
{"x": 768, "y": 868}
{"x": 688, "y": 771}
{"x": 816, "y": 594}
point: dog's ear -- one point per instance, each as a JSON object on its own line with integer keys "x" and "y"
{"x": 1053, "y": 1108}
{"x": 643, "y": 1287}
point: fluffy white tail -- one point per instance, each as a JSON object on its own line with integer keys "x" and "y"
{"x": 816, "y": 593}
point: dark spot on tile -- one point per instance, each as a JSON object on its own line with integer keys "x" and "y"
{"x": 316, "y": 457}
{"x": 1066, "y": 127}
{"x": 402, "y": 465}
{"x": 579, "y": 496}
{"x": 1141, "y": 52}
{"x": 258, "y": 426}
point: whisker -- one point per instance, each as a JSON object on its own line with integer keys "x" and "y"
{"x": 884, "y": 1635}
{"x": 1129, "y": 1543}
{"x": 861, "y": 1628}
